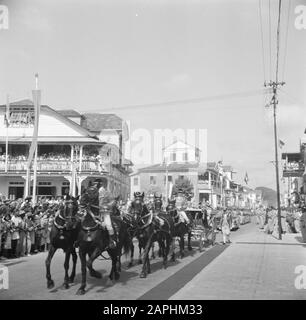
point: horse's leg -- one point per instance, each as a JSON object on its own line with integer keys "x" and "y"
{"x": 132, "y": 254}
{"x": 93, "y": 256}
{"x": 82, "y": 255}
{"x": 143, "y": 273}
{"x": 74, "y": 260}
{"x": 182, "y": 241}
{"x": 50, "y": 282}
{"x": 140, "y": 255}
{"x": 114, "y": 274}
{"x": 66, "y": 266}
{"x": 189, "y": 241}
{"x": 166, "y": 250}
{"x": 152, "y": 251}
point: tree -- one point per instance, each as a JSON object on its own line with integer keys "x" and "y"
{"x": 185, "y": 185}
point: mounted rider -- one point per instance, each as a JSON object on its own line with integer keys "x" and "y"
{"x": 105, "y": 198}
{"x": 181, "y": 206}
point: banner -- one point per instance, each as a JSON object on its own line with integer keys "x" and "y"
{"x": 36, "y": 101}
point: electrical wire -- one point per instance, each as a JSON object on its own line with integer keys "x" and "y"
{"x": 270, "y": 46}
{"x": 196, "y": 100}
{"x": 278, "y": 40}
{"x": 286, "y": 39}
{"x": 262, "y": 40}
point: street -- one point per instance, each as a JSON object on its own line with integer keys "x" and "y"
{"x": 254, "y": 266}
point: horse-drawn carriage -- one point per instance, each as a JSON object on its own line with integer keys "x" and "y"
{"x": 198, "y": 230}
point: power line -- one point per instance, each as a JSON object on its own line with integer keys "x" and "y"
{"x": 278, "y": 40}
{"x": 286, "y": 39}
{"x": 262, "y": 40}
{"x": 270, "y": 49}
{"x": 185, "y": 101}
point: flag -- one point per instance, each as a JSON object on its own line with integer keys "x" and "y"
{"x": 246, "y": 178}
{"x": 281, "y": 143}
{"x": 36, "y": 100}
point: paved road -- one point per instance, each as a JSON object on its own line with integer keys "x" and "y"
{"x": 27, "y": 277}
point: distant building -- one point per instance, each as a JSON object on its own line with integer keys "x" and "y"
{"x": 183, "y": 160}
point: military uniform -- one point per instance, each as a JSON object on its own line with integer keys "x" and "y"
{"x": 104, "y": 200}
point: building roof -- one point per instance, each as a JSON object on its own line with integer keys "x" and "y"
{"x": 97, "y": 121}
{"x": 183, "y": 167}
{"x": 88, "y": 137}
{"x": 70, "y": 113}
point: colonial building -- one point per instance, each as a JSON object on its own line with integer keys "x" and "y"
{"x": 293, "y": 164}
{"x": 183, "y": 161}
{"x": 70, "y": 153}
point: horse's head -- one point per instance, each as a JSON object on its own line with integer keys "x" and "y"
{"x": 69, "y": 210}
{"x": 138, "y": 203}
{"x": 158, "y": 202}
{"x": 171, "y": 206}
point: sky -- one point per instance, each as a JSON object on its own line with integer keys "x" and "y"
{"x": 110, "y": 56}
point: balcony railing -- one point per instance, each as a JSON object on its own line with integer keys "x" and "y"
{"x": 53, "y": 166}
{"x": 293, "y": 169}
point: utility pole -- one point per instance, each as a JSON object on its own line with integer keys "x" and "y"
{"x": 274, "y": 85}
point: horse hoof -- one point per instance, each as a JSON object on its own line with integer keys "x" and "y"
{"x": 81, "y": 292}
{"x": 50, "y": 284}
{"x": 143, "y": 275}
{"x": 65, "y": 286}
{"x": 95, "y": 274}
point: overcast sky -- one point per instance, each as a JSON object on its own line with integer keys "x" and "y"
{"x": 96, "y": 55}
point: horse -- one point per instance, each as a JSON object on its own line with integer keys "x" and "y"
{"x": 93, "y": 238}
{"x": 180, "y": 228}
{"x": 149, "y": 230}
{"x": 63, "y": 236}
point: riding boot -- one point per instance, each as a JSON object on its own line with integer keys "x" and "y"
{"x": 112, "y": 241}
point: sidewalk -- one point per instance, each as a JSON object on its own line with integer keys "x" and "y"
{"x": 254, "y": 266}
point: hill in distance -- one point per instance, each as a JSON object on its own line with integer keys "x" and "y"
{"x": 269, "y": 196}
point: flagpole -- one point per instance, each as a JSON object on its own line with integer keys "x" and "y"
{"x": 36, "y": 98}
{"x": 6, "y": 140}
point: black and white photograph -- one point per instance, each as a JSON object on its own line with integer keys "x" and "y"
{"x": 152, "y": 150}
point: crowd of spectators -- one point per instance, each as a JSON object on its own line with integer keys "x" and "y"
{"x": 24, "y": 228}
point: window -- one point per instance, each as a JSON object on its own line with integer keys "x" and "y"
{"x": 173, "y": 156}
{"x": 152, "y": 180}
{"x": 185, "y": 156}
{"x": 181, "y": 177}
{"x": 169, "y": 179}
{"x": 136, "y": 181}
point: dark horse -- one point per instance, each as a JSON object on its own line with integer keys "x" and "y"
{"x": 63, "y": 236}
{"x": 180, "y": 228}
{"x": 150, "y": 229}
{"x": 93, "y": 238}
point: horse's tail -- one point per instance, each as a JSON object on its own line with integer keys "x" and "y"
{"x": 127, "y": 244}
